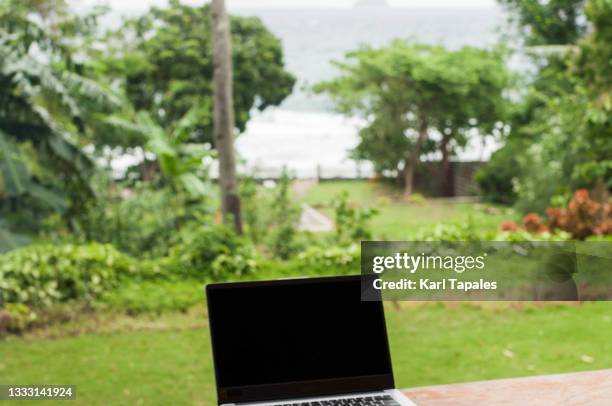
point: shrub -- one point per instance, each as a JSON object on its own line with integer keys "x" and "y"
{"x": 467, "y": 231}
{"x": 583, "y": 217}
{"x": 40, "y": 275}
{"x": 15, "y": 318}
{"x": 329, "y": 261}
{"x": 139, "y": 221}
{"x": 532, "y": 223}
{"x": 199, "y": 245}
{"x": 285, "y": 220}
{"x": 535, "y": 189}
{"x": 509, "y": 225}
{"x": 351, "y": 222}
{"x": 283, "y": 243}
{"x": 495, "y": 178}
{"x": 239, "y": 264}
{"x": 157, "y": 269}
{"x": 254, "y": 207}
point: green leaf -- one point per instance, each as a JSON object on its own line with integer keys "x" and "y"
{"x": 52, "y": 198}
{"x": 10, "y": 241}
{"x": 194, "y": 185}
{"x": 13, "y": 171}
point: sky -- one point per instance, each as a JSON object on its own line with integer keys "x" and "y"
{"x": 137, "y": 5}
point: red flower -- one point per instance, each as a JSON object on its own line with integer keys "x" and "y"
{"x": 509, "y": 225}
{"x": 581, "y": 194}
{"x": 583, "y": 216}
{"x": 533, "y": 223}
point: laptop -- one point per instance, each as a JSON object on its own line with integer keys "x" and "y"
{"x": 300, "y": 342}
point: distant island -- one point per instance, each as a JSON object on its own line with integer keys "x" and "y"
{"x": 371, "y": 3}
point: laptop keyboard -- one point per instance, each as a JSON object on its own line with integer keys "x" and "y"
{"x": 384, "y": 400}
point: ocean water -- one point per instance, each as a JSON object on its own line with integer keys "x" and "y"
{"x": 304, "y": 132}
{"x": 313, "y": 38}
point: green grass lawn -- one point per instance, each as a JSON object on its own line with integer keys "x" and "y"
{"x": 431, "y": 344}
{"x": 398, "y": 219}
{"x": 360, "y": 191}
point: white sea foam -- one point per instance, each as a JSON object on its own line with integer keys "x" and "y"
{"x": 305, "y": 141}
{"x": 301, "y": 142}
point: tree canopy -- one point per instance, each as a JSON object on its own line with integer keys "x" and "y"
{"x": 407, "y": 92}
{"x": 562, "y": 123}
{"x": 553, "y": 22}
{"x": 164, "y": 59}
{"x": 585, "y": 113}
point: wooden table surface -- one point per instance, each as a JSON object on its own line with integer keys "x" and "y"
{"x": 581, "y": 388}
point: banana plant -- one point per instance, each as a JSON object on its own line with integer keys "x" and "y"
{"x": 179, "y": 160}
{"x": 46, "y": 116}
{"x": 38, "y": 109}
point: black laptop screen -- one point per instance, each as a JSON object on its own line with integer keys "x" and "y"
{"x": 291, "y": 332}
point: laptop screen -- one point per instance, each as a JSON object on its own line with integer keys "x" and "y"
{"x": 296, "y": 331}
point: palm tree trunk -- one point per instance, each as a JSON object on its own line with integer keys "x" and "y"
{"x": 224, "y": 116}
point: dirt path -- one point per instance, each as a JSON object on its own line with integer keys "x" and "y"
{"x": 311, "y": 219}
{"x": 314, "y": 221}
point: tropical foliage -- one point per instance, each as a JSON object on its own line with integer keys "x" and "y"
{"x": 562, "y": 124}
{"x": 40, "y": 275}
{"x": 62, "y": 124}
{"x": 48, "y": 110}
